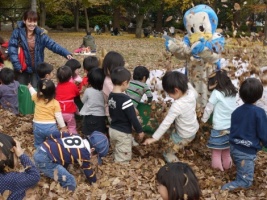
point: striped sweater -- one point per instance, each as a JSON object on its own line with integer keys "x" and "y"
{"x": 67, "y": 149}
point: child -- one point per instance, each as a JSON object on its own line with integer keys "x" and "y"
{"x": 110, "y": 62}
{"x": 93, "y": 108}
{"x": 16, "y": 182}
{"x": 75, "y": 67}
{"x": 47, "y": 111}
{"x": 248, "y": 133}
{"x": 9, "y": 91}
{"x": 222, "y": 103}
{"x": 89, "y": 63}
{"x": 66, "y": 91}
{"x": 123, "y": 117}
{"x": 182, "y": 112}
{"x": 44, "y": 70}
{"x": 177, "y": 181}
{"x": 56, "y": 153}
{"x": 138, "y": 87}
{"x": 262, "y": 103}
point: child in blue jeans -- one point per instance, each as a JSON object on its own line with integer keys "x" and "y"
{"x": 61, "y": 149}
{"x": 248, "y": 131}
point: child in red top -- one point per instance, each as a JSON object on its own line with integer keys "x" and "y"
{"x": 66, "y": 91}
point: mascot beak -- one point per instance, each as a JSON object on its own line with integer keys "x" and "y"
{"x": 195, "y": 37}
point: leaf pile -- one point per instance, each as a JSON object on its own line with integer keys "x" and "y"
{"x": 136, "y": 180}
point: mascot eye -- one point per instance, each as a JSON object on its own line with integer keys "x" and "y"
{"x": 201, "y": 28}
{"x": 192, "y": 29}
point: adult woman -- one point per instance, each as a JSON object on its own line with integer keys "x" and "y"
{"x": 33, "y": 41}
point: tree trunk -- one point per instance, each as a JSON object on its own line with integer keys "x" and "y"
{"x": 116, "y": 18}
{"x": 265, "y": 26}
{"x": 76, "y": 16}
{"x": 159, "y": 18}
{"x": 34, "y": 5}
{"x": 139, "y": 23}
{"x": 86, "y": 19}
{"x": 42, "y": 14}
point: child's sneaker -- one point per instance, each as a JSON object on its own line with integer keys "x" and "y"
{"x": 134, "y": 142}
{"x": 170, "y": 157}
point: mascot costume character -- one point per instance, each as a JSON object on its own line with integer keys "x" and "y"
{"x": 201, "y": 48}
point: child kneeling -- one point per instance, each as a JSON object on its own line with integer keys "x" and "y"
{"x": 182, "y": 111}
{"x": 57, "y": 153}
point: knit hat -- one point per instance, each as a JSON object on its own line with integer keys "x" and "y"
{"x": 6, "y": 156}
{"x": 99, "y": 141}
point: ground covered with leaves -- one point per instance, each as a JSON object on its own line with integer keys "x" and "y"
{"x": 137, "y": 180}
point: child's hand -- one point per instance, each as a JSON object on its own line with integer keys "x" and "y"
{"x": 141, "y": 135}
{"x": 17, "y": 149}
{"x": 149, "y": 141}
{"x": 29, "y": 85}
{"x": 64, "y": 129}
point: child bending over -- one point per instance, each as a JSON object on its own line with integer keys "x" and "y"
{"x": 66, "y": 91}
{"x": 9, "y": 91}
{"x": 62, "y": 149}
{"x": 123, "y": 117}
{"x": 222, "y": 103}
{"x": 47, "y": 111}
{"x": 182, "y": 112}
{"x": 16, "y": 182}
{"x": 248, "y": 133}
{"x": 177, "y": 181}
{"x": 93, "y": 104}
{"x": 138, "y": 87}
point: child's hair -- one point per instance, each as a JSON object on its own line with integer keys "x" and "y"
{"x": 111, "y": 61}
{"x": 7, "y": 76}
{"x": 7, "y": 156}
{"x": 64, "y": 74}
{"x": 221, "y": 82}
{"x": 140, "y": 72}
{"x": 73, "y": 64}
{"x": 174, "y": 79}
{"x": 180, "y": 181}
{"x": 96, "y": 77}
{"x": 46, "y": 90}
{"x": 119, "y": 75}
{"x": 90, "y": 62}
{"x": 251, "y": 90}
{"x": 43, "y": 69}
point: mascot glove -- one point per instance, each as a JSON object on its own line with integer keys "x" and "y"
{"x": 209, "y": 56}
{"x": 178, "y": 48}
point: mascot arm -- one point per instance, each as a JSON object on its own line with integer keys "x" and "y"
{"x": 178, "y": 48}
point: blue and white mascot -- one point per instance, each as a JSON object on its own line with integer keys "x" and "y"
{"x": 201, "y": 48}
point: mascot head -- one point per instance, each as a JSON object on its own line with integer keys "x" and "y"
{"x": 200, "y": 22}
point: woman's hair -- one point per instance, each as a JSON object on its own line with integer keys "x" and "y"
{"x": 111, "y": 61}
{"x": 90, "y": 62}
{"x": 64, "y": 74}
{"x": 73, "y": 64}
{"x": 43, "y": 69}
{"x": 7, "y": 76}
{"x": 180, "y": 181}
{"x": 119, "y": 75}
{"x": 6, "y": 155}
{"x": 96, "y": 77}
{"x": 174, "y": 79}
{"x": 30, "y": 15}
{"x": 140, "y": 72}
{"x": 251, "y": 90}
{"x": 46, "y": 90}
{"x": 221, "y": 82}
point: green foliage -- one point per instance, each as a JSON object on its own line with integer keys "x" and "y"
{"x": 99, "y": 20}
{"x": 67, "y": 21}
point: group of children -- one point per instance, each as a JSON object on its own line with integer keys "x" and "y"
{"x": 110, "y": 98}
